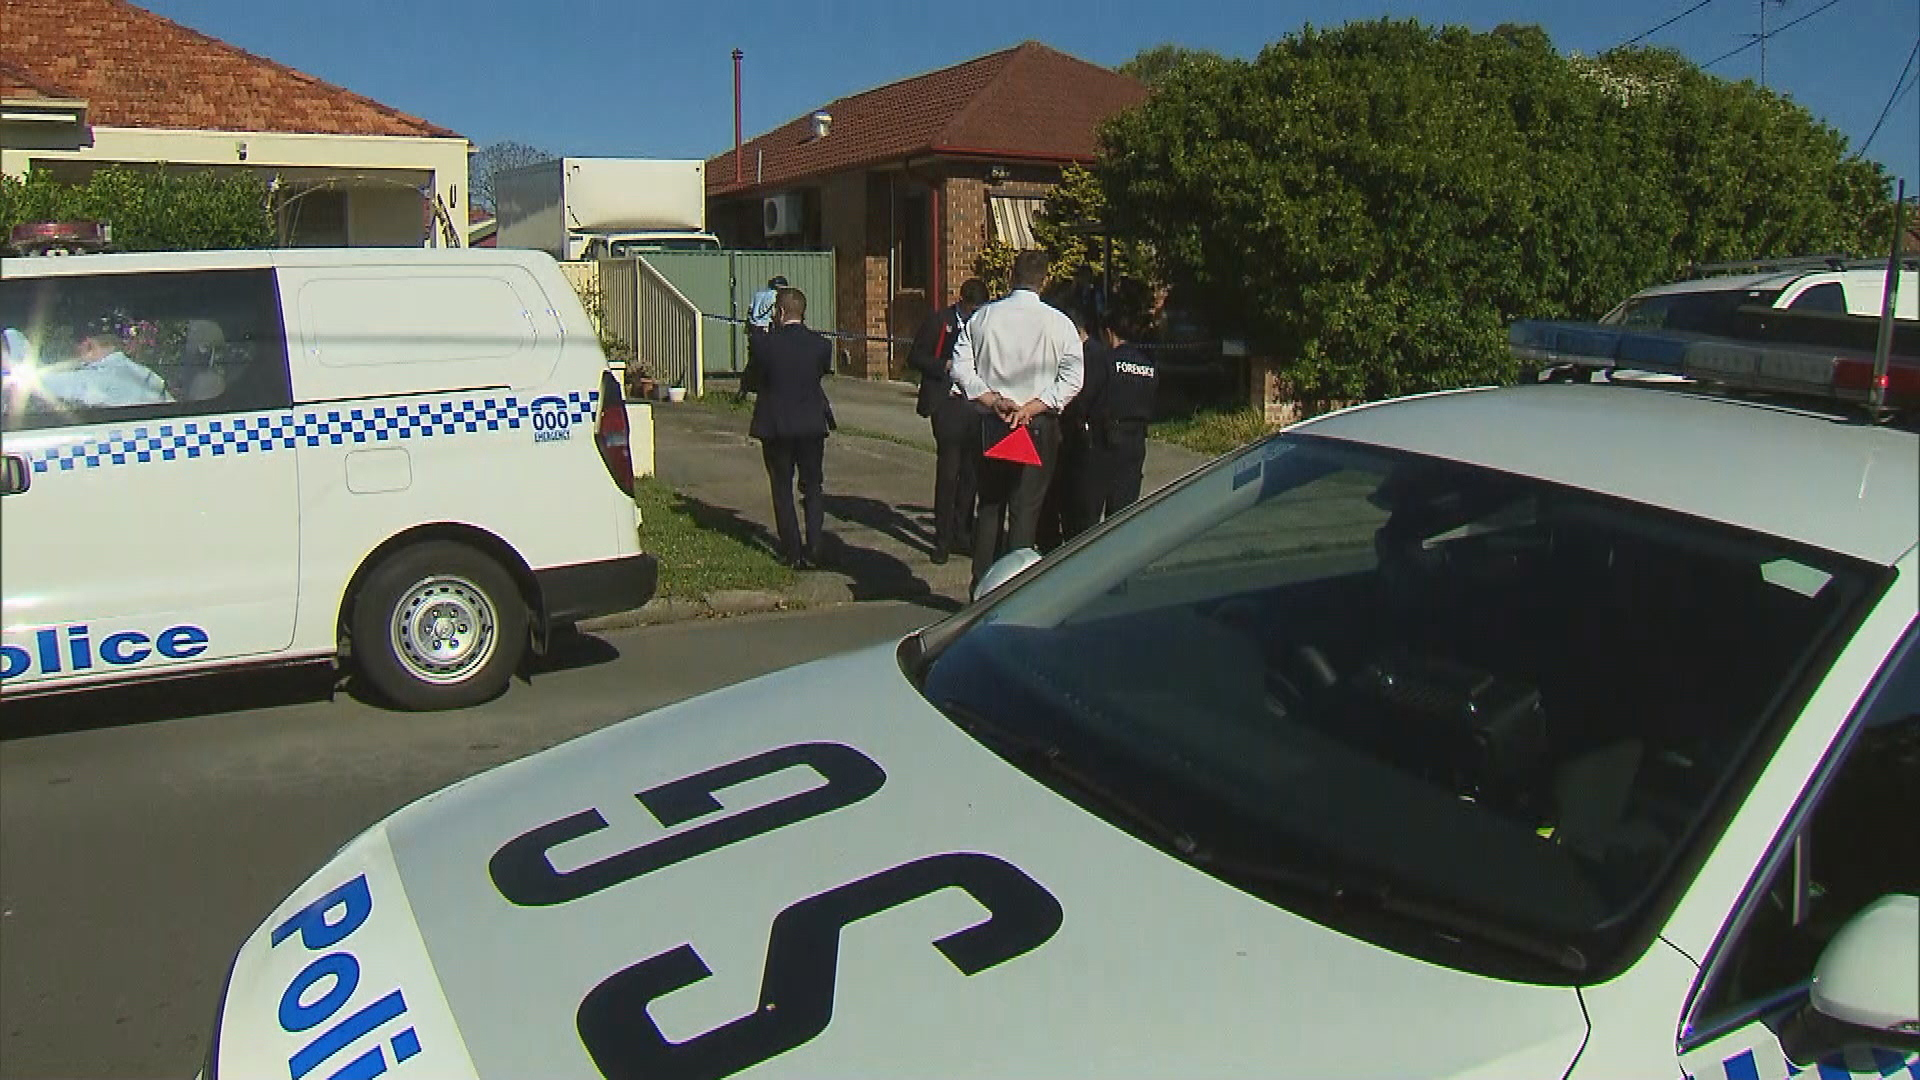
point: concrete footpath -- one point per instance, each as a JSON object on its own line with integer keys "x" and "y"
{"x": 879, "y": 493}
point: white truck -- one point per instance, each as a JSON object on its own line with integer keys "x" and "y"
{"x": 589, "y": 208}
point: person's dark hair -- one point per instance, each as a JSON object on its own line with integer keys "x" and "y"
{"x": 777, "y": 281}
{"x": 1130, "y": 309}
{"x": 1030, "y": 269}
{"x": 973, "y": 291}
{"x": 1060, "y": 295}
{"x": 790, "y": 303}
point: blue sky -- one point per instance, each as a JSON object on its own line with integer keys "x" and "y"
{"x": 652, "y": 79}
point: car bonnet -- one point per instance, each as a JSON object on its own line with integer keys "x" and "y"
{"x": 811, "y": 874}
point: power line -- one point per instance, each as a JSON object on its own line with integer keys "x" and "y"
{"x": 1900, "y": 88}
{"x": 1642, "y": 37}
{"x": 1775, "y": 32}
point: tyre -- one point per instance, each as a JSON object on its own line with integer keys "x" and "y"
{"x": 438, "y": 625}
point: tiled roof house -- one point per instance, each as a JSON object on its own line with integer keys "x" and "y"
{"x": 85, "y": 83}
{"x": 908, "y": 182}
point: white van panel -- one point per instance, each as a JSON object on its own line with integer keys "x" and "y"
{"x": 451, "y": 327}
{"x": 121, "y": 541}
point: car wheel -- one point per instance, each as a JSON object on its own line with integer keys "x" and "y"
{"x": 439, "y": 625}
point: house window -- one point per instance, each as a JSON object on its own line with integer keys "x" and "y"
{"x": 916, "y": 242}
{"x": 1013, "y": 220}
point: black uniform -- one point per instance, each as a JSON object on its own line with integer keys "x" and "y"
{"x": 1118, "y": 398}
{"x": 1061, "y": 515}
{"x": 956, "y": 431}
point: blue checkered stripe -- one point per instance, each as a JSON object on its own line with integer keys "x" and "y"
{"x": 1848, "y": 1065}
{"x": 341, "y": 426}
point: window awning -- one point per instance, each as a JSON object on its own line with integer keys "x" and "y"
{"x": 1013, "y": 220}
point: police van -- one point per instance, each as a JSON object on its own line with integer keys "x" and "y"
{"x": 416, "y": 460}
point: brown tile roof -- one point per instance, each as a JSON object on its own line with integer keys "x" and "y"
{"x": 15, "y": 83}
{"x": 136, "y": 69}
{"x": 1029, "y": 102}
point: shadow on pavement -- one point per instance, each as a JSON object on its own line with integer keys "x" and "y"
{"x": 169, "y": 699}
{"x": 215, "y": 692}
{"x": 882, "y": 518}
{"x": 871, "y": 574}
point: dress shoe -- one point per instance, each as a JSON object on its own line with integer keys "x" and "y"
{"x": 939, "y": 557}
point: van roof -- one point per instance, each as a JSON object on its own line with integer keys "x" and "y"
{"x": 241, "y": 259}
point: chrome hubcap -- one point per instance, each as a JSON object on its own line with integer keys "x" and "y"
{"x": 444, "y": 629}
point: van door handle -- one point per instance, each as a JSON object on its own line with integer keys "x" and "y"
{"x": 17, "y": 476}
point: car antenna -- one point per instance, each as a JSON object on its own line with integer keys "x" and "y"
{"x": 1883, "y": 348}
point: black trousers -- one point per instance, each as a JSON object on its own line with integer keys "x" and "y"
{"x": 1108, "y": 479}
{"x": 782, "y": 456}
{"x": 1061, "y": 518}
{"x": 956, "y": 435}
{"x": 1011, "y": 496}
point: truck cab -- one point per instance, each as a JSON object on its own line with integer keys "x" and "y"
{"x": 627, "y": 245}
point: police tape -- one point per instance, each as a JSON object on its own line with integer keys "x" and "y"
{"x": 841, "y": 335}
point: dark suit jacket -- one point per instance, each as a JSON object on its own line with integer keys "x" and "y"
{"x": 784, "y": 368}
{"x": 932, "y": 349}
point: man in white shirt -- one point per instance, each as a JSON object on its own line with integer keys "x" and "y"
{"x": 1020, "y": 357}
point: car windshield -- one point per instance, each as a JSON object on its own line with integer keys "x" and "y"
{"x": 1708, "y": 312}
{"x": 1484, "y": 716}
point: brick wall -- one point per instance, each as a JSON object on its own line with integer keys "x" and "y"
{"x": 854, "y": 222}
{"x": 969, "y": 222}
{"x": 843, "y": 216}
{"x": 963, "y": 202}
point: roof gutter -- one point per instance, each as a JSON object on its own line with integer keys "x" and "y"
{"x": 919, "y": 157}
{"x": 1003, "y": 155}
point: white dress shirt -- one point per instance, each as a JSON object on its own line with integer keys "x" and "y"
{"x": 1022, "y": 348}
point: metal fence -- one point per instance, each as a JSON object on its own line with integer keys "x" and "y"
{"x": 642, "y": 307}
{"x": 721, "y": 284}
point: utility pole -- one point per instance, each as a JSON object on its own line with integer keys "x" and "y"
{"x": 1763, "y": 38}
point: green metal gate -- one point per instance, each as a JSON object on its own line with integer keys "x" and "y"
{"x": 722, "y": 284}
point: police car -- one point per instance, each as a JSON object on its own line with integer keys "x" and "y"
{"x": 416, "y": 459}
{"x": 1557, "y": 730}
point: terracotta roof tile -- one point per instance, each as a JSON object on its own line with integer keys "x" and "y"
{"x": 138, "y": 70}
{"x": 16, "y": 83}
{"x": 1030, "y": 101}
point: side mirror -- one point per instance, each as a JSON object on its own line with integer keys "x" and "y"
{"x": 1005, "y": 569}
{"x": 1864, "y": 992}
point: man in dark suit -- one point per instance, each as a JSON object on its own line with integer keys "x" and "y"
{"x": 956, "y": 421}
{"x": 791, "y": 418}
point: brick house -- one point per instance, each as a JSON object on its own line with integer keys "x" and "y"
{"x": 87, "y": 83}
{"x": 910, "y": 181}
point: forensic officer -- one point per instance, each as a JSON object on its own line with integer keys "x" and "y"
{"x": 1118, "y": 403}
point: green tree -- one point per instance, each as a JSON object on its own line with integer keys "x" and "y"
{"x": 149, "y": 209}
{"x": 1374, "y": 204}
{"x": 1152, "y": 65}
{"x": 1072, "y": 227}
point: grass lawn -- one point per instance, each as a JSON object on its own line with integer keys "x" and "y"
{"x": 1212, "y": 431}
{"x": 701, "y": 548}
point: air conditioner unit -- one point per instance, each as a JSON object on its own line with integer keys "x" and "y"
{"x": 781, "y": 214}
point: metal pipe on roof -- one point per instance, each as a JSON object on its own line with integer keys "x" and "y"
{"x": 738, "y": 176}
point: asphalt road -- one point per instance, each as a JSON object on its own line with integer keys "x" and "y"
{"x": 144, "y": 834}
